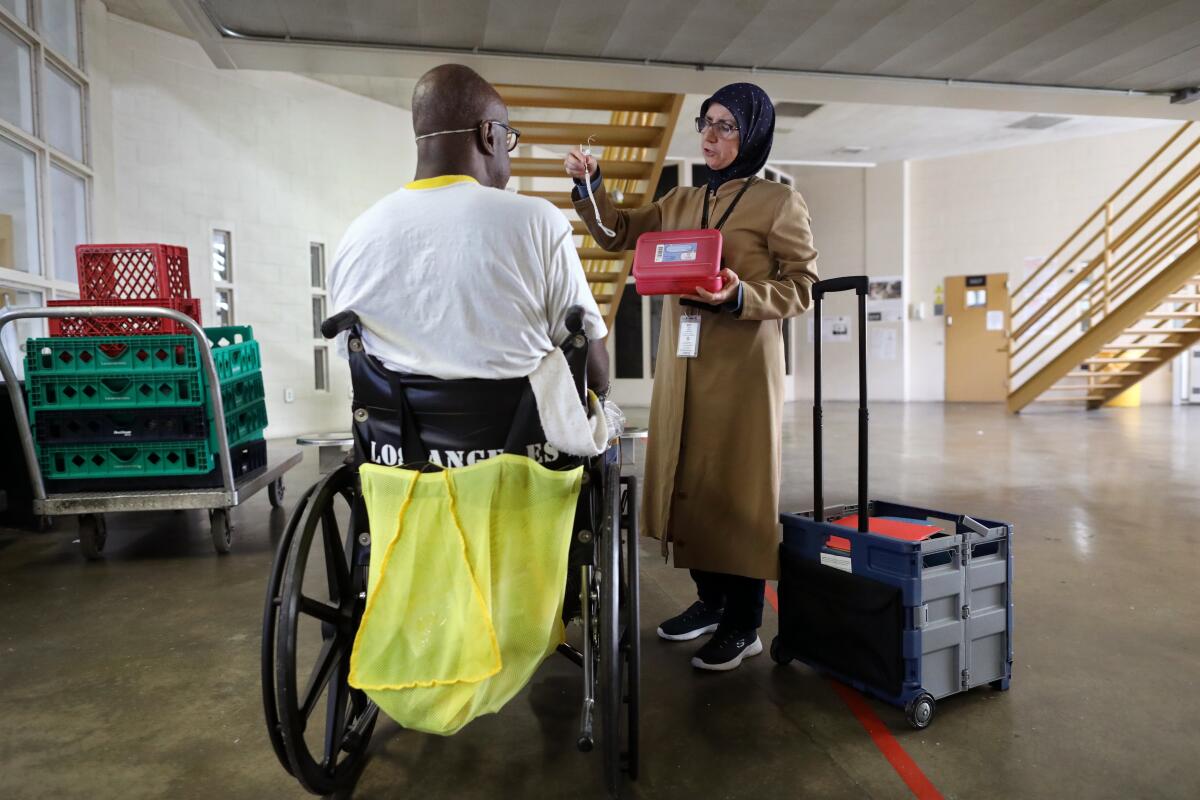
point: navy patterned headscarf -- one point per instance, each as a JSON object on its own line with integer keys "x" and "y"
{"x": 755, "y": 116}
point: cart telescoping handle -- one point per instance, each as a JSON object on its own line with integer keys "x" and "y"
{"x": 858, "y": 284}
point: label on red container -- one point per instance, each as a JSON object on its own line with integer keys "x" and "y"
{"x": 672, "y": 253}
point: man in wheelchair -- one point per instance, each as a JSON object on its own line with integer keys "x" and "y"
{"x": 469, "y": 327}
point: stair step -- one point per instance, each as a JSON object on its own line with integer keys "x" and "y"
{"x": 574, "y": 133}
{"x": 1158, "y": 331}
{"x": 1089, "y": 374}
{"x": 1172, "y": 315}
{"x": 1183, "y": 298}
{"x": 1139, "y": 360}
{"x": 599, "y": 254}
{"x": 602, "y": 99}
{"x": 553, "y": 168}
{"x": 563, "y": 199}
{"x": 1069, "y": 399}
{"x": 602, "y": 277}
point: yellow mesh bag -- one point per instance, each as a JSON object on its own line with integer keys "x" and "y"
{"x": 465, "y": 589}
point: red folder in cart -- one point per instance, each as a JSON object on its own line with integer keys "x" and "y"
{"x": 676, "y": 262}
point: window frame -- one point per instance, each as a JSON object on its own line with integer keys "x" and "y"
{"x": 322, "y": 292}
{"x": 43, "y": 57}
{"x": 223, "y": 285}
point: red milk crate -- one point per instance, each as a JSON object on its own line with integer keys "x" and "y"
{"x": 124, "y": 325}
{"x": 132, "y": 271}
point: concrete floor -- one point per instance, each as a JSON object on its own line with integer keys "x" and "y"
{"x": 138, "y": 676}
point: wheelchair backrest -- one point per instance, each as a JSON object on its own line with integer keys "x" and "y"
{"x": 414, "y": 421}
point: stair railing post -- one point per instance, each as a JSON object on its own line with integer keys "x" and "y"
{"x": 1107, "y": 253}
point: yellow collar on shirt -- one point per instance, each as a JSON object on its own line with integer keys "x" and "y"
{"x": 440, "y": 181}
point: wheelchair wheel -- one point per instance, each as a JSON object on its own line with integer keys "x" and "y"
{"x": 323, "y": 724}
{"x": 270, "y": 619}
{"x": 631, "y": 641}
{"x": 609, "y": 651}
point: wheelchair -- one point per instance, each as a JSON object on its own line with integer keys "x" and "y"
{"x": 319, "y": 726}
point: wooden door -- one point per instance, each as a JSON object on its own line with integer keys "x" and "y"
{"x": 977, "y": 338}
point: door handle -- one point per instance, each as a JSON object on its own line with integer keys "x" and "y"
{"x": 949, "y": 321}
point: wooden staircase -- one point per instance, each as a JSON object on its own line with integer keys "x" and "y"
{"x": 630, "y": 136}
{"x": 1121, "y": 296}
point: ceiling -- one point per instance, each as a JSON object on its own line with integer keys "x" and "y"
{"x": 1147, "y": 45}
{"x": 890, "y": 130}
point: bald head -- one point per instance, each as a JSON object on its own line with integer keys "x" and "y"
{"x": 453, "y": 97}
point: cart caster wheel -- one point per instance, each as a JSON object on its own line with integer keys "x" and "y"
{"x": 275, "y": 491}
{"x": 777, "y": 653}
{"x": 43, "y": 523}
{"x": 93, "y": 533}
{"x": 221, "y": 528}
{"x": 919, "y": 711}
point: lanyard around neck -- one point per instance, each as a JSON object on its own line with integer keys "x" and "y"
{"x": 728, "y": 211}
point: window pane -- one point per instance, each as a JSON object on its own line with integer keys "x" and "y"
{"x": 316, "y": 257}
{"x": 16, "y": 81}
{"x": 64, "y": 114}
{"x": 222, "y": 256}
{"x": 18, "y": 7}
{"x": 223, "y": 303}
{"x": 13, "y": 336}
{"x": 320, "y": 369}
{"x": 18, "y": 209}
{"x": 628, "y": 330}
{"x": 68, "y": 207}
{"x": 976, "y": 298}
{"x": 318, "y": 315}
{"x": 59, "y": 26}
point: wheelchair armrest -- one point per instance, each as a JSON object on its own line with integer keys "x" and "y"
{"x": 341, "y": 321}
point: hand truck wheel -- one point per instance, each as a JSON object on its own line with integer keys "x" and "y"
{"x": 920, "y": 710}
{"x": 778, "y": 654}
{"x": 221, "y": 529}
{"x": 93, "y": 534}
{"x": 275, "y": 492}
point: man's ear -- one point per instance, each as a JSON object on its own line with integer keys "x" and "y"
{"x": 487, "y": 138}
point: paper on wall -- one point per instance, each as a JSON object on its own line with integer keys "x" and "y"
{"x": 883, "y": 344}
{"x": 995, "y": 320}
{"x": 835, "y": 329}
{"x": 885, "y": 298}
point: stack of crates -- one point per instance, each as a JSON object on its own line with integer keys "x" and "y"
{"x": 123, "y": 401}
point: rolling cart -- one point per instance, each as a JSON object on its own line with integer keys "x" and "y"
{"x": 91, "y": 506}
{"x": 906, "y": 604}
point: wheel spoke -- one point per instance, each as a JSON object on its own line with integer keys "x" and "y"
{"x": 331, "y": 653}
{"x": 322, "y": 611}
{"x": 335, "y": 715}
{"x": 337, "y": 572}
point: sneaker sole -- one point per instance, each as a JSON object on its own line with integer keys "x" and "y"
{"x": 733, "y": 663}
{"x": 687, "y": 637}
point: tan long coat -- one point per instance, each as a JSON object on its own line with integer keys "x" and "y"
{"x": 713, "y": 461}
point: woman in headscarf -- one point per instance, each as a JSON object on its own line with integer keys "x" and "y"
{"x": 714, "y": 456}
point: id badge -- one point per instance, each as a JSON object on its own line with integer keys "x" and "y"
{"x": 689, "y": 336}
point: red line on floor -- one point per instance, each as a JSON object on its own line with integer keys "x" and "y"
{"x": 900, "y": 760}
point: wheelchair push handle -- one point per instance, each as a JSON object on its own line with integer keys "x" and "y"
{"x": 341, "y": 321}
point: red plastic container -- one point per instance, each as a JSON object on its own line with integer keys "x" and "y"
{"x": 124, "y": 325}
{"x": 132, "y": 272}
{"x": 676, "y": 262}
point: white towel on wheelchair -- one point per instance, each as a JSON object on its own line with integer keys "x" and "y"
{"x": 567, "y": 424}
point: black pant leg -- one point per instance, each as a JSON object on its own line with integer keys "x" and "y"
{"x": 743, "y": 602}
{"x": 710, "y": 587}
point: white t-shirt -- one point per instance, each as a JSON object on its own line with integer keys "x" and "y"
{"x": 456, "y": 280}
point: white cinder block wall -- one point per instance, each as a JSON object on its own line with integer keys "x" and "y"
{"x": 181, "y": 148}
{"x": 971, "y": 214}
